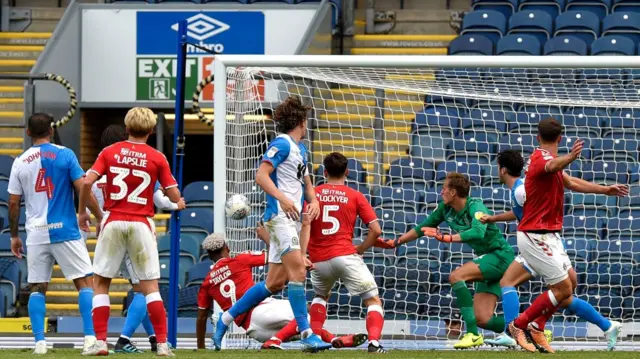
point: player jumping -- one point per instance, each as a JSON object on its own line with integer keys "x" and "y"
{"x": 46, "y": 175}
{"x": 335, "y": 257}
{"x": 137, "y": 311}
{"x": 462, "y": 213}
{"x": 510, "y": 165}
{"x": 284, "y": 176}
{"x": 131, "y": 168}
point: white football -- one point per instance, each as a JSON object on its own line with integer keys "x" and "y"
{"x": 237, "y": 207}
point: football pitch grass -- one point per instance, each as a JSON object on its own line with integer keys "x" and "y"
{"x": 405, "y": 354}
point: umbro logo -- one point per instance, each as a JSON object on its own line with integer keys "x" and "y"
{"x": 201, "y": 27}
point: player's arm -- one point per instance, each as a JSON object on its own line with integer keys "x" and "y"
{"x": 368, "y": 216}
{"x": 476, "y": 232}
{"x": 262, "y": 233}
{"x": 500, "y": 217}
{"x": 167, "y": 181}
{"x": 313, "y": 206}
{"x": 87, "y": 199}
{"x": 163, "y": 202}
{"x": 204, "y": 309}
{"x": 560, "y": 163}
{"x": 433, "y": 220}
{"x": 15, "y": 196}
{"x": 92, "y": 202}
{"x": 579, "y": 185}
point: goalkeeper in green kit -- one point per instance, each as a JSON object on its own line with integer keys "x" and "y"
{"x": 462, "y": 213}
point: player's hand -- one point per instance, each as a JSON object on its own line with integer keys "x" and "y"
{"x": 16, "y": 247}
{"x": 619, "y": 190}
{"x": 181, "y": 204}
{"x": 435, "y": 233}
{"x": 486, "y": 219}
{"x": 385, "y": 243}
{"x": 261, "y": 232}
{"x": 576, "y": 149}
{"x": 313, "y": 210}
{"x": 84, "y": 220}
{"x": 308, "y": 264}
{"x": 289, "y": 209}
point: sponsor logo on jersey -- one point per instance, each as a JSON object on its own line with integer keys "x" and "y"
{"x": 272, "y": 152}
{"x": 478, "y": 215}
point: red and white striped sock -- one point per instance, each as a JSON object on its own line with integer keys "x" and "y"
{"x": 157, "y": 315}
{"x": 100, "y": 315}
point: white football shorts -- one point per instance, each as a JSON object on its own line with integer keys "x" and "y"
{"x": 72, "y": 257}
{"x": 544, "y": 255}
{"x": 351, "y": 270}
{"x": 268, "y": 318}
{"x": 137, "y": 239}
{"x": 284, "y": 237}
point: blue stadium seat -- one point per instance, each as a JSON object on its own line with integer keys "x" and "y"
{"x": 356, "y": 173}
{"x": 472, "y": 170}
{"x": 497, "y": 197}
{"x": 471, "y": 44}
{"x": 618, "y": 251}
{"x": 579, "y": 250}
{"x": 506, "y": 7}
{"x": 632, "y": 201}
{"x": 519, "y": 44}
{"x": 532, "y": 22}
{"x": 525, "y": 143}
{"x": 551, "y": 7}
{"x": 439, "y": 100}
{"x": 410, "y": 170}
{"x": 21, "y": 221}
{"x": 590, "y": 201}
{"x": 448, "y": 117}
{"x": 565, "y": 46}
{"x": 197, "y": 220}
{"x": 5, "y": 166}
{"x": 489, "y": 23}
{"x": 600, "y": 8}
{"x": 431, "y": 143}
{"x": 5, "y": 251}
{"x": 584, "y": 227}
{"x": 616, "y": 45}
{"x": 583, "y": 122}
{"x": 189, "y": 249}
{"x": 474, "y": 146}
{"x": 626, "y": 6}
{"x": 488, "y": 120}
{"x": 605, "y": 171}
{"x": 580, "y": 24}
{"x": 402, "y": 305}
{"x": 3, "y": 300}
{"x": 399, "y": 198}
{"x": 188, "y": 302}
{"x": 10, "y": 281}
{"x": 618, "y": 149}
{"x": 392, "y": 221}
{"x": 431, "y": 199}
{"x": 197, "y": 273}
{"x": 198, "y": 194}
{"x": 624, "y": 119}
{"x": 527, "y": 120}
{"x": 460, "y": 253}
{"x": 629, "y": 213}
{"x": 626, "y": 24}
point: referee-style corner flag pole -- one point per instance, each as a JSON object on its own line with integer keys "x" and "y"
{"x": 178, "y": 157}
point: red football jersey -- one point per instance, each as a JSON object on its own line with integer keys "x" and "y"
{"x": 544, "y": 205}
{"x": 227, "y": 282}
{"x": 332, "y": 231}
{"x": 132, "y": 170}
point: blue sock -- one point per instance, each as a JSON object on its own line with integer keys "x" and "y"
{"x": 586, "y": 311}
{"x": 250, "y": 299}
{"x": 148, "y": 327}
{"x": 510, "y": 304}
{"x": 135, "y": 314}
{"x": 85, "y": 303}
{"x": 37, "y": 310}
{"x": 298, "y": 303}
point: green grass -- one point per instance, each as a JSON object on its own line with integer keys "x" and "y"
{"x": 404, "y": 354}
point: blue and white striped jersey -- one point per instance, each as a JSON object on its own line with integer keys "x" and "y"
{"x": 518, "y": 197}
{"x": 289, "y": 161}
{"x": 44, "y": 176}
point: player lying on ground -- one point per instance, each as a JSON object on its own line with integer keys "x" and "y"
{"x": 131, "y": 168}
{"x": 462, "y": 213}
{"x": 333, "y": 254}
{"x": 539, "y": 239}
{"x": 510, "y": 165}
{"x": 271, "y": 322}
{"x": 284, "y": 177}
{"x": 45, "y": 175}
{"x": 137, "y": 311}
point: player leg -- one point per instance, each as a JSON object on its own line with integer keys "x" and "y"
{"x": 469, "y": 272}
{"x": 272, "y": 323}
{"x": 39, "y": 264}
{"x": 136, "y": 313}
{"x": 322, "y": 280}
{"x": 74, "y": 261}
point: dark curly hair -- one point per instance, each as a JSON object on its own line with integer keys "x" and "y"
{"x": 113, "y": 134}
{"x": 511, "y": 160}
{"x": 290, "y": 114}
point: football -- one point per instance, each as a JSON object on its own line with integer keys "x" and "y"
{"x": 237, "y": 207}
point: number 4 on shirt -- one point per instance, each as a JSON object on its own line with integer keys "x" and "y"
{"x": 43, "y": 184}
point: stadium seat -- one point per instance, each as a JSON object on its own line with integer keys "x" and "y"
{"x": 506, "y": 7}
{"x": 164, "y": 272}
{"x": 431, "y": 144}
{"x": 525, "y": 143}
{"x": 197, "y": 220}
{"x": 188, "y": 302}
{"x": 519, "y": 44}
{"x": 470, "y": 44}
{"x": 472, "y": 170}
{"x": 197, "y": 273}
{"x": 551, "y": 7}
{"x": 440, "y": 116}
{"x": 632, "y": 201}
{"x": 531, "y": 22}
{"x": 526, "y": 121}
{"x": 398, "y": 198}
{"x": 623, "y": 119}
{"x": 198, "y": 194}
{"x": 579, "y": 24}
{"x": 626, "y": 6}
{"x": 600, "y": 8}
{"x": 474, "y": 147}
{"x": 590, "y": 201}
{"x": 495, "y": 197}
{"x": 565, "y": 46}
{"x": 5, "y": 251}
{"x": 618, "y": 149}
{"x": 5, "y": 166}
{"x": 616, "y": 45}
{"x": 10, "y": 281}
{"x": 393, "y": 221}
{"x": 410, "y": 170}
{"x": 21, "y": 221}
{"x": 602, "y": 171}
{"x": 489, "y": 23}
{"x": 583, "y": 121}
{"x": 626, "y": 24}
{"x": 488, "y": 120}
{"x": 584, "y": 227}
{"x": 189, "y": 246}
{"x": 356, "y": 172}
{"x": 618, "y": 250}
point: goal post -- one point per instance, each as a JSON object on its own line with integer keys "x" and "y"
{"x": 404, "y": 122}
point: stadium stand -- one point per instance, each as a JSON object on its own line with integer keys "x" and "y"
{"x": 489, "y": 23}
{"x": 532, "y": 22}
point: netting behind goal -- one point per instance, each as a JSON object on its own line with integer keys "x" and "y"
{"x": 405, "y": 129}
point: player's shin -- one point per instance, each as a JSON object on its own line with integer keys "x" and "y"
{"x": 157, "y": 315}
{"x": 299, "y": 306}
{"x": 586, "y": 311}
{"x": 136, "y": 312}
{"x": 250, "y": 299}
{"x": 37, "y": 312}
{"x": 496, "y": 324}
{"x": 510, "y": 304}
{"x": 544, "y": 303}
{"x": 85, "y": 304}
{"x": 375, "y": 322}
{"x": 464, "y": 300}
{"x": 288, "y": 331}
{"x": 100, "y": 315}
{"x": 540, "y": 322}
{"x": 318, "y": 314}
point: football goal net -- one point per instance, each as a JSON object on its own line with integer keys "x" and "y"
{"x": 404, "y": 123}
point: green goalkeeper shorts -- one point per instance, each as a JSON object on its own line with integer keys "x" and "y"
{"x": 493, "y": 266}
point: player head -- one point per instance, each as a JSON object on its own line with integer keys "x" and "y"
{"x": 39, "y": 126}
{"x": 215, "y": 246}
{"x": 456, "y": 187}
{"x": 335, "y": 166}
{"x": 549, "y": 131}
{"x": 140, "y": 122}
{"x": 510, "y": 164}
{"x": 291, "y": 115}
{"x": 113, "y": 134}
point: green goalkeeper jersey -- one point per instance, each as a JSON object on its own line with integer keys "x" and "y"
{"x": 483, "y": 238}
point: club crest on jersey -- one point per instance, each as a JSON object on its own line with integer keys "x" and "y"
{"x": 124, "y": 151}
{"x": 478, "y": 215}
{"x": 272, "y": 152}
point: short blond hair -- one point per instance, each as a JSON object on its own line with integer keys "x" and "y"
{"x": 213, "y": 242}
{"x": 140, "y": 121}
